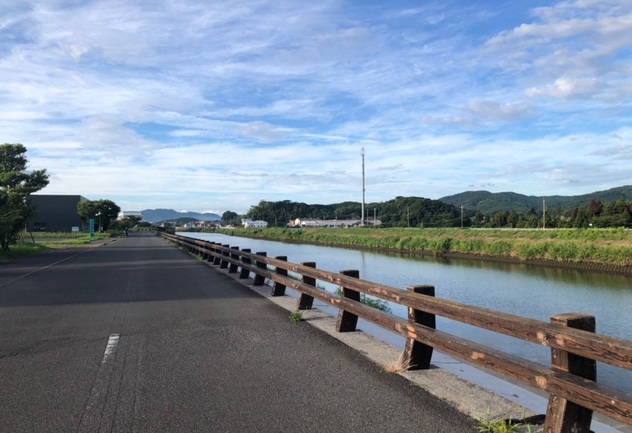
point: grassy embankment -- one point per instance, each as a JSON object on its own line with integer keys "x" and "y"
{"x": 46, "y": 242}
{"x": 612, "y": 247}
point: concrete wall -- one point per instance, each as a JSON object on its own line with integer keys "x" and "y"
{"x": 56, "y": 213}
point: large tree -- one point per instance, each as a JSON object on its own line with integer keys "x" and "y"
{"x": 16, "y": 183}
{"x": 101, "y": 211}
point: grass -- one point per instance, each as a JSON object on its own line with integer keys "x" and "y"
{"x": 46, "y": 242}
{"x": 487, "y": 424}
{"x": 296, "y": 316}
{"x": 398, "y": 366}
{"x": 606, "y": 246}
{"x": 17, "y": 251}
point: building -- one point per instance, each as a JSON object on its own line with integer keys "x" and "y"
{"x": 249, "y": 224}
{"x": 129, "y": 213}
{"x": 56, "y": 213}
{"x": 318, "y": 223}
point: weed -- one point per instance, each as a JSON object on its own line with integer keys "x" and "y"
{"x": 487, "y": 424}
{"x": 296, "y": 316}
{"x": 399, "y": 365}
{"x": 379, "y": 304}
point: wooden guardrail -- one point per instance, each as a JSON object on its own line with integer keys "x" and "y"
{"x": 574, "y": 392}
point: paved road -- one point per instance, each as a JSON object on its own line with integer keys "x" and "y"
{"x": 136, "y": 336}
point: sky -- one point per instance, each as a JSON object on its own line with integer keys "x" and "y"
{"x": 205, "y": 105}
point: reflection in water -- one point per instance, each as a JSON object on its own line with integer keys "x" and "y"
{"x": 521, "y": 290}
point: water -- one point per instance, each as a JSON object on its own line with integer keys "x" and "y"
{"x": 532, "y": 292}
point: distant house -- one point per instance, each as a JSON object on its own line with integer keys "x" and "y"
{"x": 56, "y": 213}
{"x": 248, "y": 223}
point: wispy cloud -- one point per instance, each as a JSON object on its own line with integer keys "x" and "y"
{"x": 196, "y": 105}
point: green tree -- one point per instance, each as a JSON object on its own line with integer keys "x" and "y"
{"x": 229, "y": 217}
{"x": 16, "y": 184}
{"x": 126, "y": 223}
{"x": 101, "y": 211}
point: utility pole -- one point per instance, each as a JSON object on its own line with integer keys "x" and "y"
{"x": 363, "y": 189}
{"x": 461, "y": 216}
{"x": 543, "y": 214}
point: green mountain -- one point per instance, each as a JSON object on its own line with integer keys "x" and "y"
{"x": 489, "y": 202}
{"x": 157, "y": 215}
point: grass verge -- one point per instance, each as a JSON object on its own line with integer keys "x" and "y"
{"x": 46, "y": 242}
{"x": 604, "y": 246}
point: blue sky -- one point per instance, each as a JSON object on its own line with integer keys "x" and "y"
{"x": 214, "y": 106}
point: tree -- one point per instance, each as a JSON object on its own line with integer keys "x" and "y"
{"x": 16, "y": 184}
{"x": 101, "y": 211}
{"x": 229, "y": 217}
{"x": 126, "y": 223}
{"x": 594, "y": 208}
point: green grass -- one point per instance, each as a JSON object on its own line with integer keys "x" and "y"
{"x": 296, "y": 316}
{"x": 46, "y": 242}
{"x": 608, "y": 246}
{"x": 17, "y": 251}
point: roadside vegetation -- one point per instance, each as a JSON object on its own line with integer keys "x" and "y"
{"x": 36, "y": 243}
{"x": 606, "y": 246}
{"x": 16, "y": 184}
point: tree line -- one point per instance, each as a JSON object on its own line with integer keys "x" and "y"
{"x": 596, "y": 214}
{"x": 423, "y": 212}
{"x": 399, "y": 212}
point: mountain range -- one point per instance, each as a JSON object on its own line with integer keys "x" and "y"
{"x": 158, "y": 215}
{"x": 489, "y": 202}
{"x": 481, "y": 201}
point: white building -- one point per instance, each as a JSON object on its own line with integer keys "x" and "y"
{"x": 129, "y": 213}
{"x": 249, "y": 224}
{"x": 314, "y": 222}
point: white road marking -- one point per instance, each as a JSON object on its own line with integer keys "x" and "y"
{"x": 92, "y": 416}
{"x": 111, "y": 347}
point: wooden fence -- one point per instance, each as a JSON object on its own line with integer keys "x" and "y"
{"x": 575, "y": 347}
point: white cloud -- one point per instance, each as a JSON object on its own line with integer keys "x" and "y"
{"x": 199, "y": 105}
{"x": 567, "y": 88}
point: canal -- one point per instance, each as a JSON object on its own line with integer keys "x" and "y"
{"x": 521, "y": 290}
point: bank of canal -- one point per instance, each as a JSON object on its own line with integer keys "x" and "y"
{"x": 519, "y": 289}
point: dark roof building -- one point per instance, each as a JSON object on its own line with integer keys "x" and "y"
{"x": 56, "y": 213}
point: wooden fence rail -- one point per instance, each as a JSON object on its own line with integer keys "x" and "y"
{"x": 575, "y": 347}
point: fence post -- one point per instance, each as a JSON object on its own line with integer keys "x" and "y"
{"x": 224, "y": 263}
{"x": 279, "y": 289}
{"x": 563, "y": 416}
{"x": 347, "y": 321}
{"x": 245, "y": 273}
{"x": 207, "y": 251}
{"x": 417, "y": 355}
{"x": 232, "y": 268}
{"x": 305, "y": 302}
{"x": 260, "y": 279}
{"x": 216, "y": 260}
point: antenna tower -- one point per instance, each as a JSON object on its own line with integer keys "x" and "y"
{"x": 363, "y": 189}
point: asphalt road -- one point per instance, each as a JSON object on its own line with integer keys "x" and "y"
{"x": 137, "y": 336}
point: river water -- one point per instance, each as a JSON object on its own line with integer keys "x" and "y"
{"x": 521, "y": 290}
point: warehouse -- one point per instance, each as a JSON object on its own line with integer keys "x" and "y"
{"x": 56, "y": 213}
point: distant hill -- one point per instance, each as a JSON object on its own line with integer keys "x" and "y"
{"x": 488, "y": 202}
{"x": 157, "y": 215}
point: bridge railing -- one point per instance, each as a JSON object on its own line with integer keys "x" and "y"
{"x": 571, "y": 380}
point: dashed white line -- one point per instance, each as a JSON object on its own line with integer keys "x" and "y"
{"x": 111, "y": 347}
{"x": 92, "y": 416}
